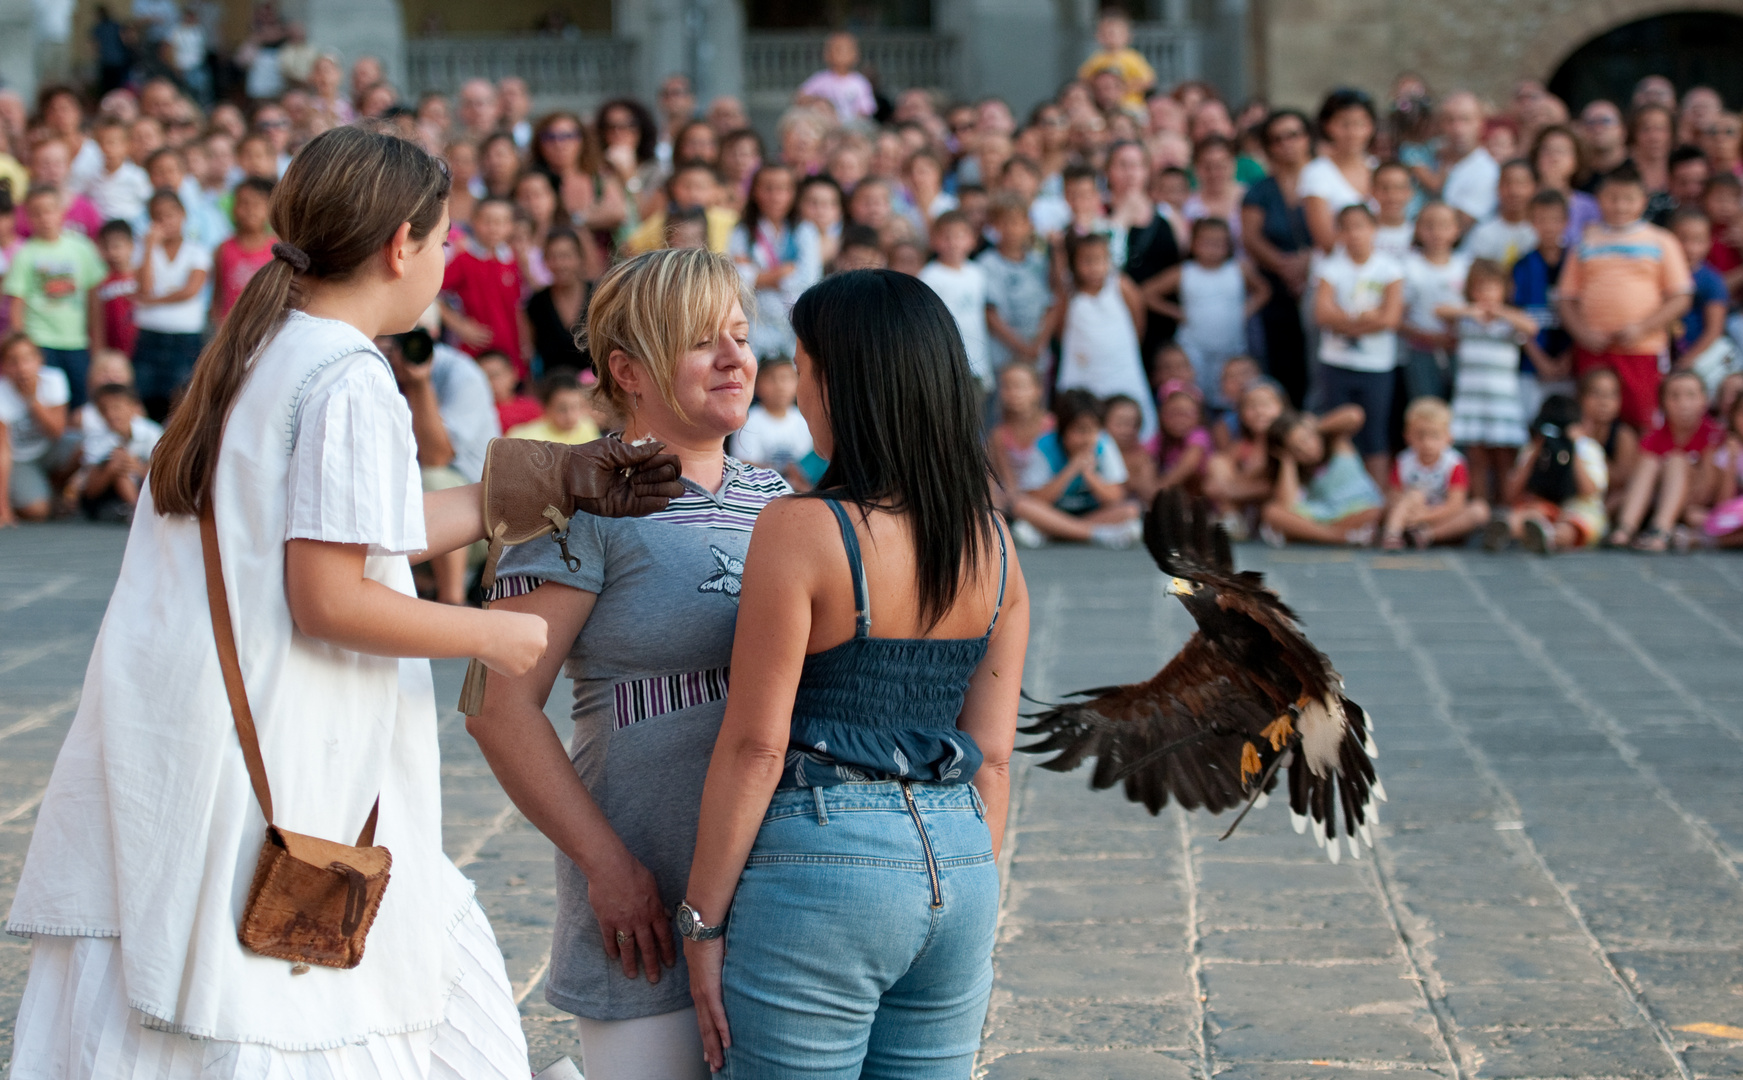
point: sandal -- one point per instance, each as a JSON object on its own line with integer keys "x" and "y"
{"x": 1496, "y": 536}
{"x": 1651, "y": 542}
{"x": 1539, "y": 536}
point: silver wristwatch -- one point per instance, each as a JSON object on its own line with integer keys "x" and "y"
{"x": 690, "y": 925}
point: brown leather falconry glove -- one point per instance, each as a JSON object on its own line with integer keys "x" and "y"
{"x": 533, "y": 488}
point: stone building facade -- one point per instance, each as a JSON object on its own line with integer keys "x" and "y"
{"x": 1309, "y": 46}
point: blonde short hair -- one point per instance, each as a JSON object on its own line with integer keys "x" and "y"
{"x": 1428, "y": 410}
{"x": 655, "y": 308}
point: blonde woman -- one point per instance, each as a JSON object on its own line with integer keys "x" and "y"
{"x": 642, "y": 620}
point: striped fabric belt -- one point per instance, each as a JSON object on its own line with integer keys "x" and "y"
{"x": 643, "y": 699}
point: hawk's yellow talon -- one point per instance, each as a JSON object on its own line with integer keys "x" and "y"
{"x": 1249, "y": 762}
{"x": 1279, "y": 731}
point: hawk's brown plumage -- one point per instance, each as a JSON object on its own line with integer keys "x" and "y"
{"x": 1249, "y": 696}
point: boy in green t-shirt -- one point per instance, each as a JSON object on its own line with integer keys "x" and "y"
{"x": 50, "y": 285}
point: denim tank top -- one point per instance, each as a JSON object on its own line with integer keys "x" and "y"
{"x": 873, "y": 709}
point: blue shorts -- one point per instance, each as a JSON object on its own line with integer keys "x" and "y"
{"x": 1372, "y": 390}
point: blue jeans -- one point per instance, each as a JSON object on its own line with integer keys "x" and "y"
{"x": 162, "y": 365}
{"x": 76, "y": 363}
{"x": 858, "y": 945}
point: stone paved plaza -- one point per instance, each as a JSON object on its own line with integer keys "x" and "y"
{"x": 1558, "y": 890}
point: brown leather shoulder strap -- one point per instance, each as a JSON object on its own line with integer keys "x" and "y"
{"x": 219, "y": 601}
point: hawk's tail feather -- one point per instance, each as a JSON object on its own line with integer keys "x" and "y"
{"x": 1350, "y": 788}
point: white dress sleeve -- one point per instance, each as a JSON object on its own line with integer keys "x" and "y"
{"x": 354, "y": 475}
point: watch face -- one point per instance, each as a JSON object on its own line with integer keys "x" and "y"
{"x": 686, "y": 920}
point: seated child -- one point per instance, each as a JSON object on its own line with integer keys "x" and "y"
{"x": 1185, "y": 444}
{"x": 1555, "y": 492}
{"x": 565, "y": 418}
{"x": 1429, "y": 501}
{"x": 1238, "y": 478}
{"x": 1172, "y": 365}
{"x": 1600, "y": 400}
{"x": 117, "y": 457}
{"x": 1124, "y": 418}
{"x": 1722, "y": 526}
{"x": 774, "y": 435}
{"x": 1324, "y": 494}
{"x": 513, "y": 408}
{"x": 1022, "y": 421}
{"x": 33, "y": 425}
{"x": 1673, "y": 457}
{"x": 1077, "y": 490}
{"x": 1224, "y": 423}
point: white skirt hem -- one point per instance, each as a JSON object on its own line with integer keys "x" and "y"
{"x": 75, "y": 1022}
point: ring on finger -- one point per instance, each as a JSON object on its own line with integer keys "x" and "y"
{"x": 622, "y": 937}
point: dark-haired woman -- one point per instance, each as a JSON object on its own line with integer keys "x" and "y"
{"x": 295, "y": 448}
{"x": 629, "y": 136}
{"x": 567, "y": 151}
{"x": 1343, "y": 174}
{"x": 855, "y": 805}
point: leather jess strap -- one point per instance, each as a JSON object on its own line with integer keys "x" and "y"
{"x": 224, "y": 636}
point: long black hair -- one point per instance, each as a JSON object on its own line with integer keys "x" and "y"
{"x": 905, "y": 414}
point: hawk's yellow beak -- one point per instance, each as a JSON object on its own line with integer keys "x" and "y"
{"x": 1179, "y": 586}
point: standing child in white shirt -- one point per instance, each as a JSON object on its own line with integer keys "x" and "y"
{"x": 120, "y": 189}
{"x": 962, "y": 286}
{"x": 169, "y": 307}
{"x": 1508, "y": 235}
{"x": 1100, "y": 324}
{"x": 1358, "y": 304}
{"x": 293, "y": 462}
{"x": 1393, "y": 192}
{"x": 1433, "y": 275}
{"x": 1216, "y": 293}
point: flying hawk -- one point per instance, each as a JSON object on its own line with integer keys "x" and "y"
{"x": 1248, "y": 697}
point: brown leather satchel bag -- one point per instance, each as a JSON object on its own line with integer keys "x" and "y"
{"x": 312, "y": 901}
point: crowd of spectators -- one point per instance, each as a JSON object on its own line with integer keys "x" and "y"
{"x": 1429, "y": 319}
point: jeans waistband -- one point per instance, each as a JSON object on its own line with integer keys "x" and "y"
{"x": 879, "y": 795}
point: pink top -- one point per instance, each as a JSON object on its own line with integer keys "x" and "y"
{"x": 236, "y": 267}
{"x": 1198, "y": 437}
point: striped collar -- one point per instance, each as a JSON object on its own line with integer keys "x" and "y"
{"x": 744, "y": 491}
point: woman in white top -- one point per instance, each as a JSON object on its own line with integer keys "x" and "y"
{"x": 296, "y": 441}
{"x": 170, "y": 306}
{"x": 1343, "y": 174}
{"x": 1219, "y": 195}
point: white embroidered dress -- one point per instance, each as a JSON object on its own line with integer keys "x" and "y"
{"x": 148, "y": 836}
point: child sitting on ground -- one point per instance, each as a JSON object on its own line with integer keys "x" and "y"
{"x": 1238, "y": 478}
{"x": 1123, "y": 420}
{"x": 1555, "y": 493}
{"x": 1429, "y": 501}
{"x": 1082, "y": 495}
{"x": 1600, "y": 397}
{"x": 116, "y": 459}
{"x": 1486, "y": 416}
{"x": 33, "y": 426}
{"x": 1324, "y": 495}
{"x": 565, "y": 416}
{"x": 513, "y": 408}
{"x": 1185, "y": 444}
{"x": 1672, "y": 460}
{"x": 775, "y": 436}
{"x": 1011, "y": 444}
{"x": 1722, "y": 526}
{"x": 1224, "y": 423}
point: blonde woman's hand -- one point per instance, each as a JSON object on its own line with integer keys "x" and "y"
{"x": 706, "y": 959}
{"x": 515, "y": 642}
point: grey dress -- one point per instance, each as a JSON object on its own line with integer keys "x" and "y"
{"x": 650, "y": 672}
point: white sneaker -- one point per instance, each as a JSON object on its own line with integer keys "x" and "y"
{"x": 1027, "y": 535}
{"x": 1118, "y": 537}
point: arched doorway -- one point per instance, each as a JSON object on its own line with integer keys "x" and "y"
{"x": 1690, "y": 48}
